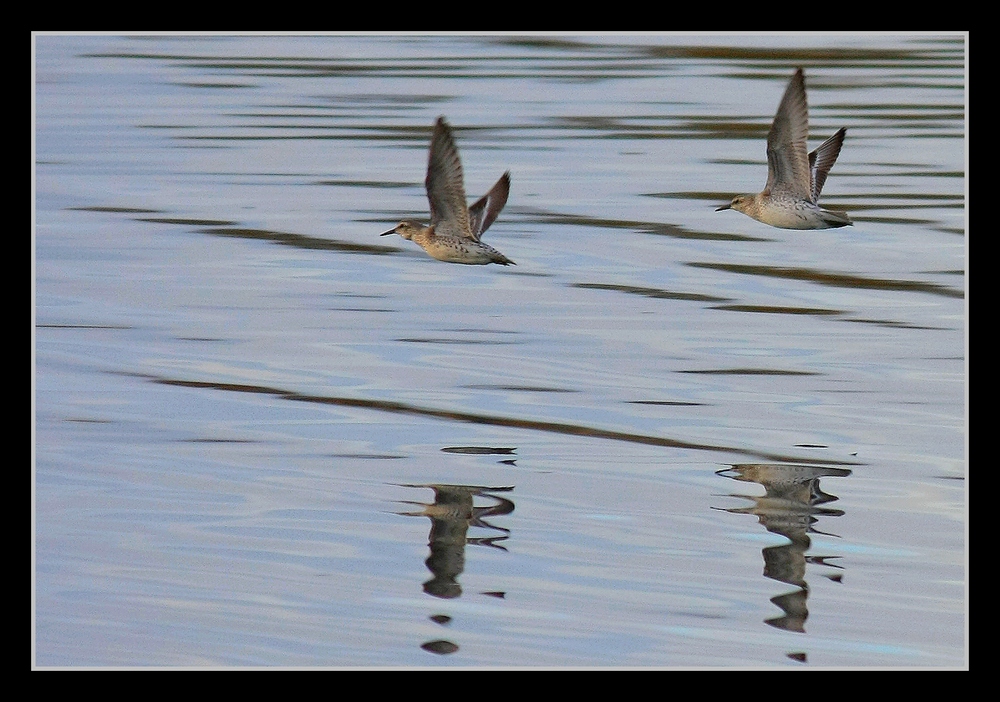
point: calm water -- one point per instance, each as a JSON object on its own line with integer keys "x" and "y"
{"x": 669, "y": 436}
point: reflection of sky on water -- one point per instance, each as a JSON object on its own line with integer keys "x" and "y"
{"x": 231, "y": 366}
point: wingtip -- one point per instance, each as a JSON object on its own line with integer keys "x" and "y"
{"x": 799, "y": 77}
{"x": 441, "y": 126}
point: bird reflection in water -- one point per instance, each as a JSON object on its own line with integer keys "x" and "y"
{"x": 452, "y": 514}
{"x": 791, "y": 505}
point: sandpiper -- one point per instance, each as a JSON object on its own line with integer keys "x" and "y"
{"x": 794, "y": 179}
{"x": 454, "y": 232}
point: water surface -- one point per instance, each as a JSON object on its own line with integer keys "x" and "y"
{"x": 670, "y": 436}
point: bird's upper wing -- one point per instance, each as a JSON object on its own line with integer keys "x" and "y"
{"x": 444, "y": 182}
{"x": 484, "y": 211}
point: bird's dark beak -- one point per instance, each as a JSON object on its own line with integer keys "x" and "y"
{"x": 724, "y": 207}
{"x": 391, "y": 231}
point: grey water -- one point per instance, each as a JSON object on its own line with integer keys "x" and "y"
{"x": 668, "y": 437}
